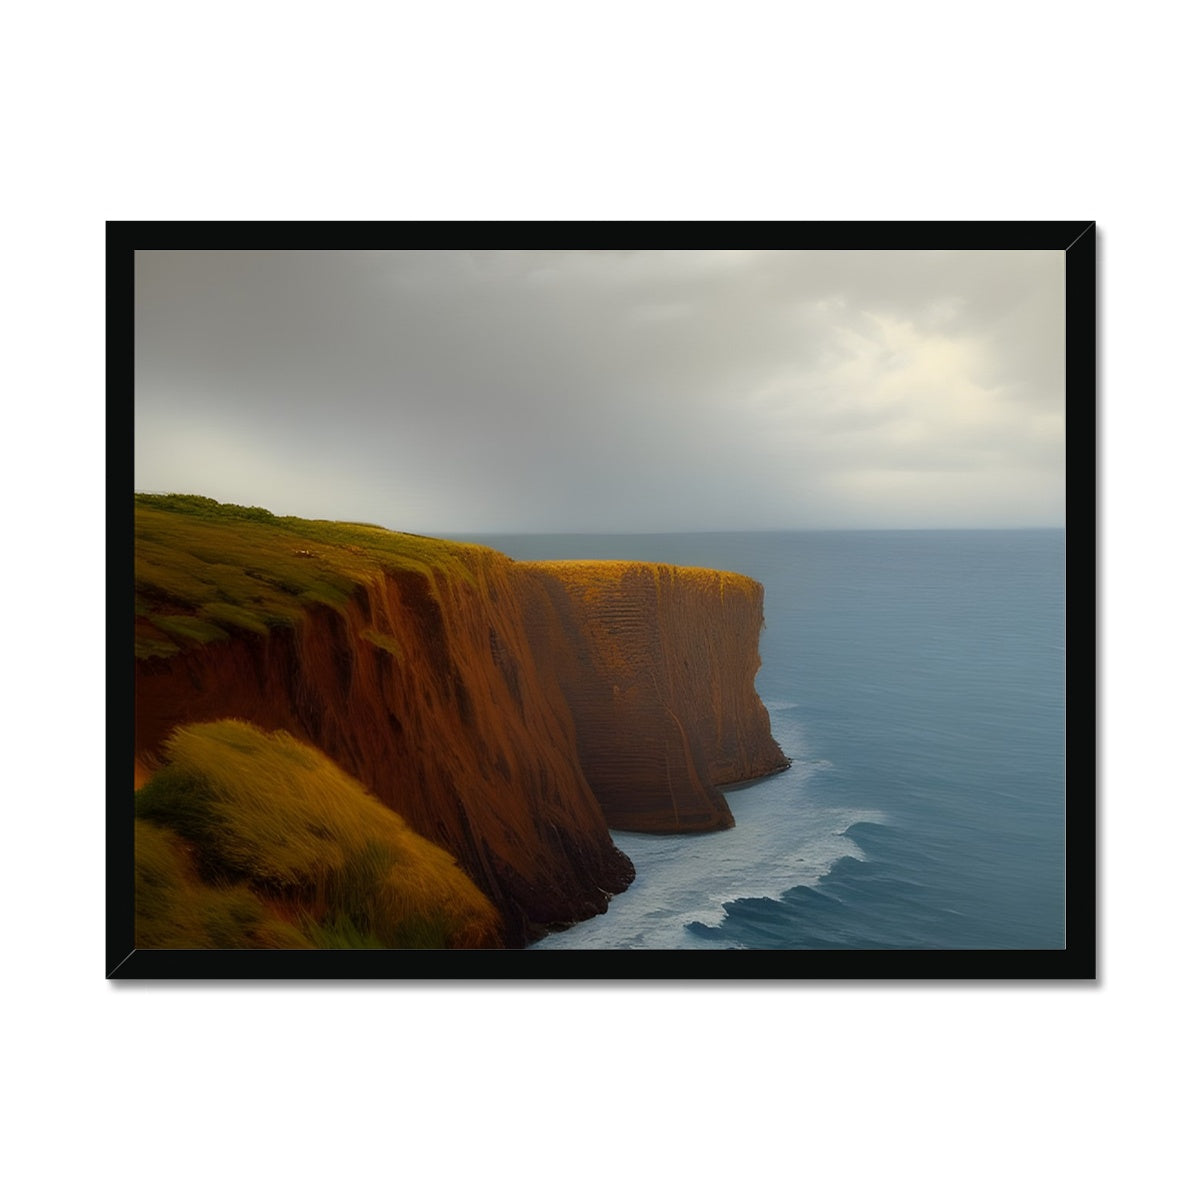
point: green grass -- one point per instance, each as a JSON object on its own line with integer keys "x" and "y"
{"x": 191, "y": 629}
{"x": 384, "y": 642}
{"x": 339, "y": 933}
{"x": 204, "y": 570}
{"x": 263, "y": 818}
{"x": 149, "y": 647}
{"x": 229, "y": 616}
{"x": 175, "y": 909}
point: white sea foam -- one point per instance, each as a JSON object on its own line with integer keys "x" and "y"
{"x": 782, "y": 840}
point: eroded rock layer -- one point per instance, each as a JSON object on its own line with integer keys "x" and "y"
{"x": 658, "y": 665}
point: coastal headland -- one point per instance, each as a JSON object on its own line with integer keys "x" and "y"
{"x": 488, "y": 720}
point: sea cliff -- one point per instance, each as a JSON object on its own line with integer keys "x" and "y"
{"x": 658, "y": 666}
{"x": 509, "y": 713}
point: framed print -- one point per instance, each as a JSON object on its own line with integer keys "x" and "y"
{"x": 581, "y": 613}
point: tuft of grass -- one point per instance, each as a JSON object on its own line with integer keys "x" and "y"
{"x": 229, "y": 616}
{"x": 175, "y": 909}
{"x": 339, "y": 933}
{"x": 274, "y": 815}
{"x": 148, "y": 647}
{"x": 384, "y": 642}
{"x": 191, "y": 629}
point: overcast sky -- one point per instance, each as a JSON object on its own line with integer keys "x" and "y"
{"x": 618, "y": 391}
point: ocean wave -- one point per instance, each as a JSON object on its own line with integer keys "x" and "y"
{"x": 782, "y": 840}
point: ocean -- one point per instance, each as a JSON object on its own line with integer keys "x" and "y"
{"x": 916, "y": 679}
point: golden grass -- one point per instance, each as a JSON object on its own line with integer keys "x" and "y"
{"x": 204, "y": 569}
{"x": 174, "y": 909}
{"x": 270, "y": 814}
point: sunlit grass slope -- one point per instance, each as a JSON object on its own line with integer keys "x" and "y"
{"x": 253, "y": 839}
{"x": 204, "y": 570}
{"x": 176, "y": 909}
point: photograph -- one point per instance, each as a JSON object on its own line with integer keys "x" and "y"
{"x": 613, "y": 607}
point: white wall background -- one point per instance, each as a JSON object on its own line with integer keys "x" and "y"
{"x": 540, "y": 110}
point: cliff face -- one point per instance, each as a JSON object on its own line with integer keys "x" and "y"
{"x": 426, "y": 691}
{"x": 509, "y": 712}
{"x": 658, "y": 665}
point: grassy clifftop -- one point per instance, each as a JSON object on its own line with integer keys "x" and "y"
{"x": 204, "y": 570}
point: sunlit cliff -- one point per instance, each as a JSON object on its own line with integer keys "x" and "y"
{"x": 508, "y": 713}
{"x": 658, "y": 665}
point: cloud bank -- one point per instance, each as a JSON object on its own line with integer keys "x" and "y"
{"x": 622, "y": 391}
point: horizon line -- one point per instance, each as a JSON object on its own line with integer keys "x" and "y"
{"x": 461, "y": 533}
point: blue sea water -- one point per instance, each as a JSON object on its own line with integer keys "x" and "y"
{"x": 917, "y": 681}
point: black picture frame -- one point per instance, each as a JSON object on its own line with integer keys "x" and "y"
{"x": 1076, "y": 960}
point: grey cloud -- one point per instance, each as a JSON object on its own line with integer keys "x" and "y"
{"x": 492, "y": 390}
